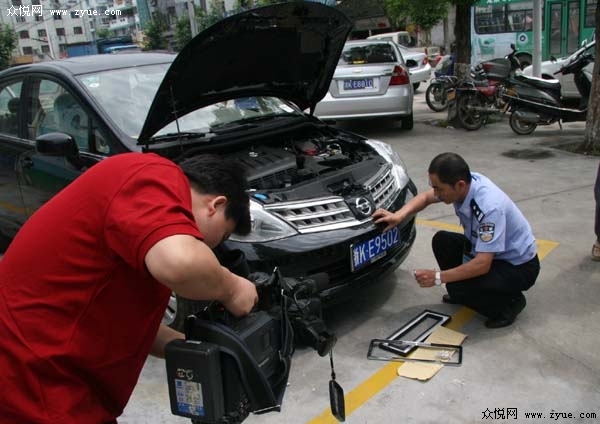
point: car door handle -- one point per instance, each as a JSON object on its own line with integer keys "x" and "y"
{"x": 26, "y": 163}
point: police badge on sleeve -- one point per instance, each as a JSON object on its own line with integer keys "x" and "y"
{"x": 486, "y": 231}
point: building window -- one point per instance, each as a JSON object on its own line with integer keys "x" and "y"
{"x": 42, "y": 33}
{"x": 77, "y": 30}
{"x": 27, "y": 50}
{"x": 17, "y": 2}
{"x": 57, "y": 17}
{"x": 20, "y": 19}
{"x": 60, "y": 32}
{"x": 39, "y": 18}
{"x": 35, "y": 2}
{"x": 45, "y": 48}
{"x": 74, "y": 15}
{"x": 23, "y": 34}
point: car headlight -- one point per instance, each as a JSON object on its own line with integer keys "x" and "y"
{"x": 386, "y": 152}
{"x": 265, "y": 227}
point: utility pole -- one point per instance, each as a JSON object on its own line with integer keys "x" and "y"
{"x": 192, "y": 15}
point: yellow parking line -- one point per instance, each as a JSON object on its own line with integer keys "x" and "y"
{"x": 385, "y": 375}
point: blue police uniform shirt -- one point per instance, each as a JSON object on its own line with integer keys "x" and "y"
{"x": 493, "y": 223}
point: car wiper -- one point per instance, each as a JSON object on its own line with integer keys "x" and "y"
{"x": 185, "y": 135}
{"x": 250, "y": 122}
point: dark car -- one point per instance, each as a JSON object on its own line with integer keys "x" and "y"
{"x": 230, "y": 91}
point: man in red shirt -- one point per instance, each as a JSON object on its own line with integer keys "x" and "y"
{"x": 85, "y": 283}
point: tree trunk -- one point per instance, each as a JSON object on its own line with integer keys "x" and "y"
{"x": 463, "y": 39}
{"x": 591, "y": 143}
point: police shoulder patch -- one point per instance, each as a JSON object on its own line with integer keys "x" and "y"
{"x": 486, "y": 231}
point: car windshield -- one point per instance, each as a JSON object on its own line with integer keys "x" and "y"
{"x": 126, "y": 96}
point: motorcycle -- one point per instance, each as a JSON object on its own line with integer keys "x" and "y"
{"x": 533, "y": 101}
{"x": 478, "y": 99}
{"x": 436, "y": 93}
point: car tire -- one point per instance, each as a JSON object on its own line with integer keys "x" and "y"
{"x": 408, "y": 122}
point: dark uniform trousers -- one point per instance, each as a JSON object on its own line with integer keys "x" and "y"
{"x": 491, "y": 294}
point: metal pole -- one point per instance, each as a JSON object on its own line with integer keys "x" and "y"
{"x": 537, "y": 39}
{"x": 192, "y": 16}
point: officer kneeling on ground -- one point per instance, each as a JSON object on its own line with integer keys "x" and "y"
{"x": 488, "y": 267}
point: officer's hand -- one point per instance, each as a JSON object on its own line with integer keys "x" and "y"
{"x": 425, "y": 277}
{"x": 243, "y": 297}
{"x": 384, "y": 217}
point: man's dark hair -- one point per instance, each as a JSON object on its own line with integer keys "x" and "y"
{"x": 213, "y": 174}
{"x": 450, "y": 168}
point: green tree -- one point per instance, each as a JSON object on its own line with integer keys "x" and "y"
{"x": 424, "y": 13}
{"x": 154, "y": 33}
{"x": 183, "y": 32}
{"x": 8, "y": 42}
{"x": 103, "y": 33}
{"x": 591, "y": 142}
{"x": 215, "y": 14}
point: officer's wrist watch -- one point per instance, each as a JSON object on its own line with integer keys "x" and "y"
{"x": 438, "y": 278}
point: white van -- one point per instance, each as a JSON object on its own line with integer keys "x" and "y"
{"x": 398, "y": 37}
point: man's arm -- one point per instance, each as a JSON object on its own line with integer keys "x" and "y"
{"x": 477, "y": 266}
{"x": 164, "y": 335}
{"x": 189, "y": 267}
{"x": 415, "y": 205}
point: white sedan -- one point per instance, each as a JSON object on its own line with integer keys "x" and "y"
{"x": 418, "y": 66}
{"x": 549, "y": 67}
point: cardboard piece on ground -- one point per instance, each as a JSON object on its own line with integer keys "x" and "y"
{"x": 424, "y": 371}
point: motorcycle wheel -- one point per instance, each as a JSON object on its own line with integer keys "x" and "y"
{"x": 469, "y": 118}
{"x": 435, "y": 96}
{"x": 520, "y": 127}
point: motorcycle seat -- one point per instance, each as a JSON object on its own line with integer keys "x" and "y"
{"x": 539, "y": 82}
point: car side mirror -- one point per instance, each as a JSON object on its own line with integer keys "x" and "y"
{"x": 56, "y": 144}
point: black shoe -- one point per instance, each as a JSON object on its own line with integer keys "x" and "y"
{"x": 447, "y": 299}
{"x": 508, "y": 316}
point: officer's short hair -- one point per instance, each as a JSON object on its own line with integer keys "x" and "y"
{"x": 450, "y": 168}
{"x": 213, "y": 174}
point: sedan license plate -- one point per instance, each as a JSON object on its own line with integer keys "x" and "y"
{"x": 358, "y": 84}
{"x": 368, "y": 251}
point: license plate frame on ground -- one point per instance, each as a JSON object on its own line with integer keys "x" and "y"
{"x": 371, "y": 250}
{"x": 358, "y": 84}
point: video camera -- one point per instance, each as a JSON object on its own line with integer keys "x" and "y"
{"x": 226, "y": 367}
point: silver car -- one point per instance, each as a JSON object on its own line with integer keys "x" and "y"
{"x": 371, "y": 80}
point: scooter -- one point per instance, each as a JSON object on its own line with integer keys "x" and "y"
{"x": 533, "y": 101}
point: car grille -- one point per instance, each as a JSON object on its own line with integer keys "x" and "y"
{"x": 332, "y": 212}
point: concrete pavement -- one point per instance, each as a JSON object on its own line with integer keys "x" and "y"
{"x": 548, "y": 362}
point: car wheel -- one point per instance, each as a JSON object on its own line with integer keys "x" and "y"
{"x": 408, "y": 122}
{"x": 435, "y": 96}
{"x": 468, "y": 115}
{"x": 521, "y": 127}
{"x": 179, "y": 308}
{"x": 416, "y": 85}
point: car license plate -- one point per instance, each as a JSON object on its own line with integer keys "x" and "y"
{"x": 358, "y": 84}
{"x": 368, "y": 251}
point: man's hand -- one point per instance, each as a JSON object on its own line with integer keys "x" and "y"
{"x": 242, "y": 298}
{"x": 382, "y": 216}
{"x": 425, "y": 277}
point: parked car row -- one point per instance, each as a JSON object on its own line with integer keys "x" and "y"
{"x": 313, "y": 186}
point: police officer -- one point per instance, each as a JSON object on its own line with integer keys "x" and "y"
{"x": 488, "y": 267}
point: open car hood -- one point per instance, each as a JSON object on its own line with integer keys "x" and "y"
{"x": 287, "y": 50}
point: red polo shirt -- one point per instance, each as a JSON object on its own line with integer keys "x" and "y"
{"x": 78, "y": 309}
